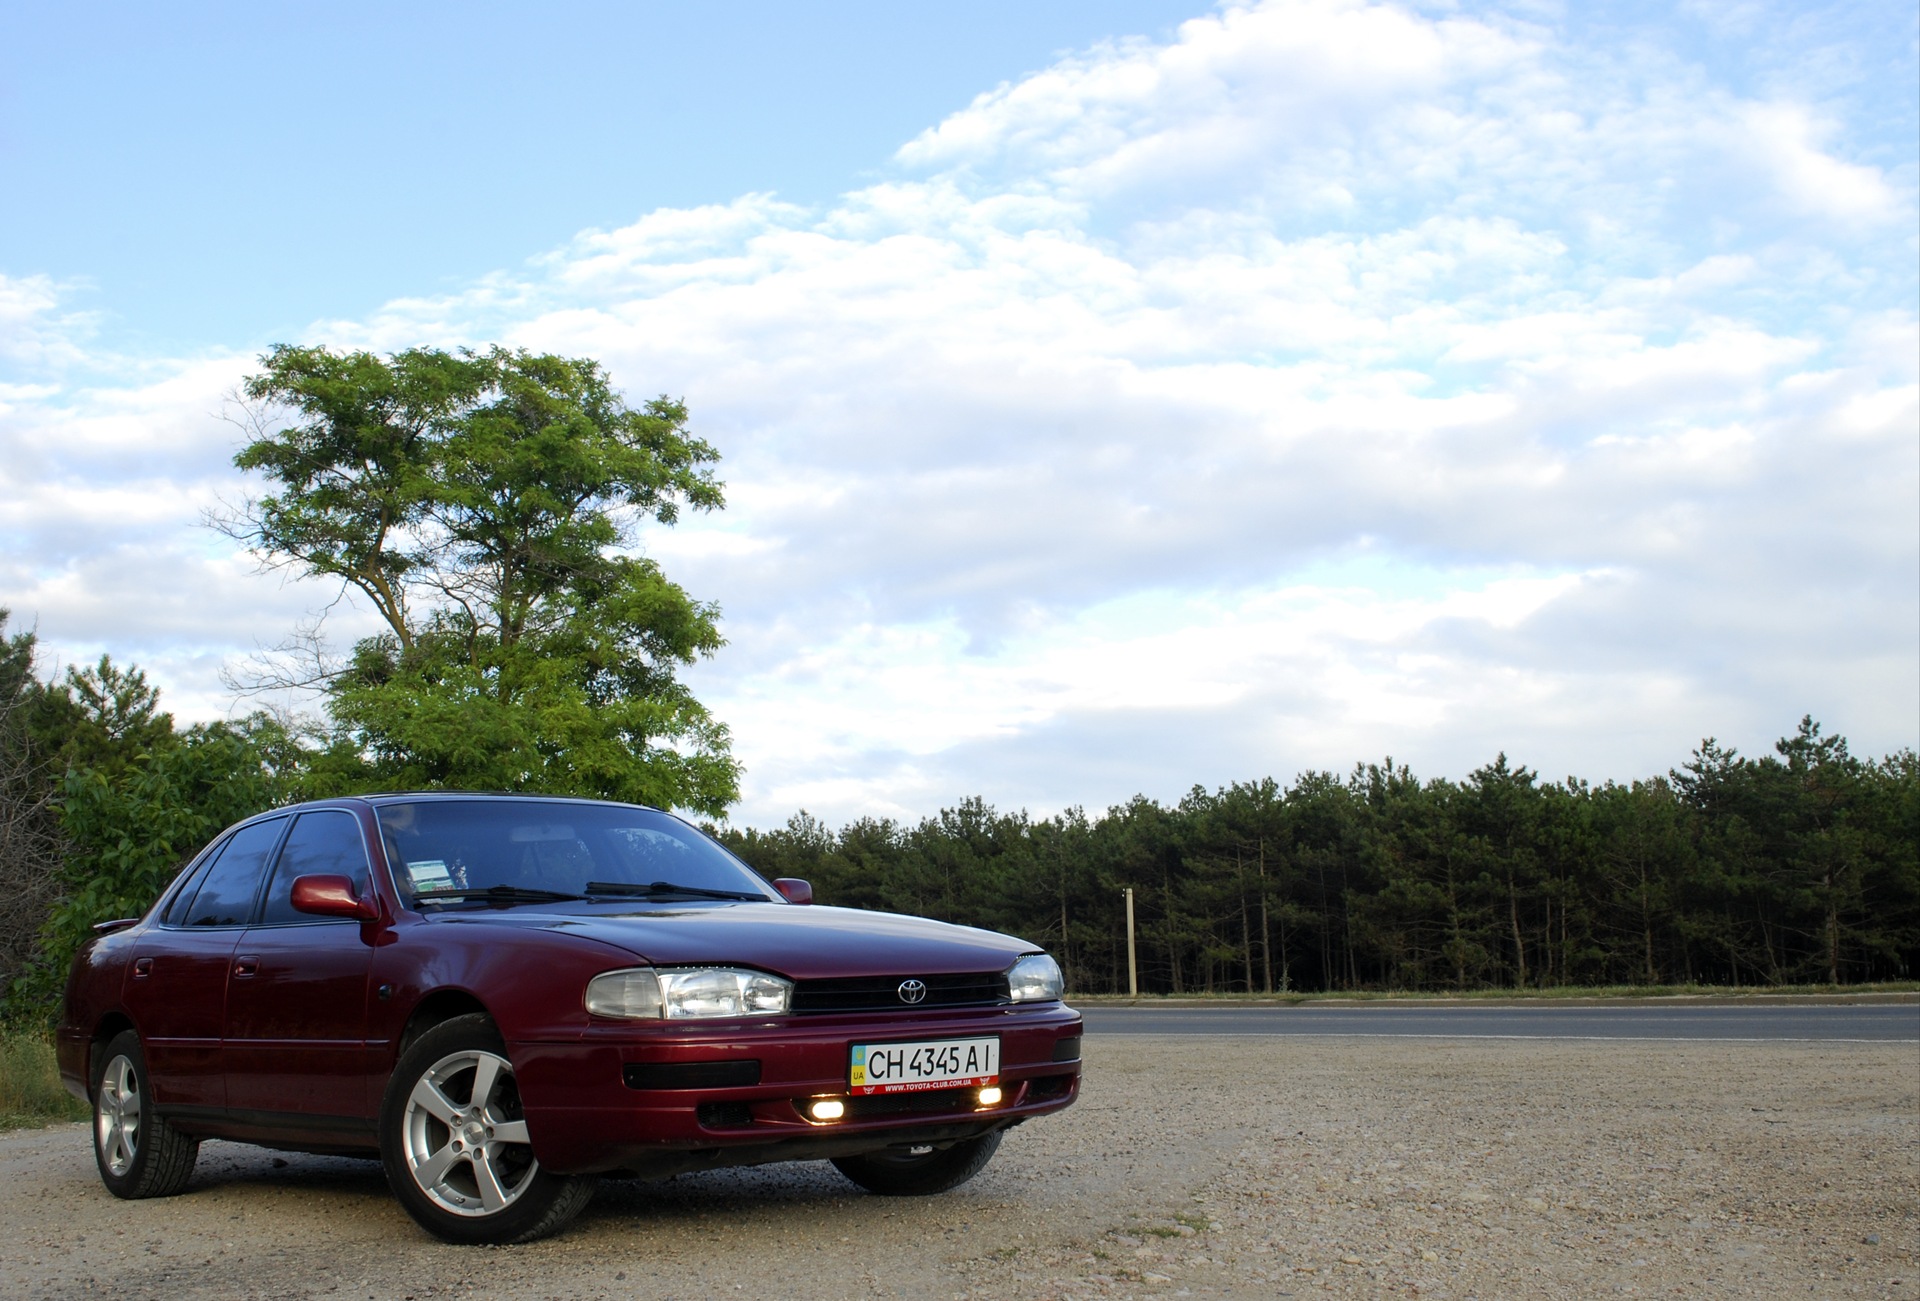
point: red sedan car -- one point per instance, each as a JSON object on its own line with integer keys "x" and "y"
{"x": 505, "y": 996}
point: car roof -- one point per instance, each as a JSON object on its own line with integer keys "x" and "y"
{"x": 379, "y": 798}
{"x": 394, "y": 797}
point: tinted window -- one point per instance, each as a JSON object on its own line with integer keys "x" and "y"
{"x": 176, "y": 914}
{"x": 225, "y": 896}
{"x": 320, "y": 844}
{"x": 550, "y": 845}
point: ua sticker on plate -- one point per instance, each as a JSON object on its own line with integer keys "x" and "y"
{"x": 927, "y": 1064}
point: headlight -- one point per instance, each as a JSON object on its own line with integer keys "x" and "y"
{"x": 634, "y": 993}
{"x": 1035, "y": 977}
{"x": 641, "y": 993}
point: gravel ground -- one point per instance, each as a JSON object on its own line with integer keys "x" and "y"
{"x": 1192, "y": 1167}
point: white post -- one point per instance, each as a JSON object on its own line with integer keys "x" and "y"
{"x": 1133, "y": 960}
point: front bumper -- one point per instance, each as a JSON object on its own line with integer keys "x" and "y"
{"x": 585, "y": 1114}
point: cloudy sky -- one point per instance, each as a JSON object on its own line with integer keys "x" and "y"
{"x": 1114, "y": 397}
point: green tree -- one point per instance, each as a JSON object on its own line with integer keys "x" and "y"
{"x": 130, "y": 830}
{"x": 485, "y": 505}
{"x": 1413, "y": 920}
{"x": 31, "y": 847}
{"x": 99, "y": 717}
{"x": 1643, "y": 846}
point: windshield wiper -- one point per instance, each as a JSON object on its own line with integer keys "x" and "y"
{"x": 648, "y": 890}
{"x": 498, "y": 893}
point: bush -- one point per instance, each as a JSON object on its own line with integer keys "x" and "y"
{"x": 30, "y": 1088}
{"x": 131, "y": 831}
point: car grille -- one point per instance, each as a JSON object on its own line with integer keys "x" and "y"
{"x": 882, "y": 993}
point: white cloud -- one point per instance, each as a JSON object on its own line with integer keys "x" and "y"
{"x": 1785, "y": 139}
{"x": 1230, "y": 92}
{"x": 1333, "y": 380}
{"x": 35, "y": 334}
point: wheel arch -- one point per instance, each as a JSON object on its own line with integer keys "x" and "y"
{"x": 105, "y": 1031}
{"x": 438, "y": 1006}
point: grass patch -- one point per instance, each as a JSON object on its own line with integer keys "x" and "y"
{"x": 1544, "y": 995}
{"x": 1183, "y": 1226}
{"x": 30, "y": 1088}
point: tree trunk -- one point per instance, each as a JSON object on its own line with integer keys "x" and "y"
{"x": 1519, "y": 944}
{"x": 1246, "y": 926}
{"x": 1326, "y": 932}
{"x": 1346, "y": 936}
{"x": 1266, "y": 933}
{"x": 1173, "y": 948}
{"x": 1063, "y": 934}
{"x": 1833, "y": 930}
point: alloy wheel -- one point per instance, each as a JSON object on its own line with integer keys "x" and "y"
{"x": 116, "y": 1116}
{"x": 466, "y": 1136}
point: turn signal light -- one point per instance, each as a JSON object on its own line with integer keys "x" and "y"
{"x": 990, "y": 1096}
{"x": 827, "y": 1109}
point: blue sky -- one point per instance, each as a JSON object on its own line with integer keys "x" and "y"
{"x": 204, "y": 174}
{"x": 1113, "y": 397}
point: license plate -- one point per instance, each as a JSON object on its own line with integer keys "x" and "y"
{"x": 927, "y": 1064}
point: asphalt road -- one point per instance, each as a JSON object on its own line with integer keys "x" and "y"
{"x": 1860, "y": 1023}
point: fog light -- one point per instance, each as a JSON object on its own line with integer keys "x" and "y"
{"x": 827, "y": 1109}
{"x": 990, "y": 1096}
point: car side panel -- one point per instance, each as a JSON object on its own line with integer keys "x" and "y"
{"x": 532, "y": 985}
{"x": 176, "y": 993}
{"x": 97, "y": 982}
{"x": 94, "y": 993}
{"x": 296, "y": 1021}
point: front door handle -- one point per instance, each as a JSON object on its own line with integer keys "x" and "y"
{"x": 245, "y": 966}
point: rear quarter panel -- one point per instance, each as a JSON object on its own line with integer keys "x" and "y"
{"x": 94, "y": 995}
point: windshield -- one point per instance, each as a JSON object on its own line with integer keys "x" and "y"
{"x": 440, "y": 848}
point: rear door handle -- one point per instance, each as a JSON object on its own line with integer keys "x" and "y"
{"x": 246, "y": 966}
{"x": 142, "y": 968}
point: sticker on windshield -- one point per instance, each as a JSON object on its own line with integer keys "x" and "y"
{"x": 430, "y": 874}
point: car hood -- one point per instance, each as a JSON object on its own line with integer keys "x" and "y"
{"x": 801, "y": 942}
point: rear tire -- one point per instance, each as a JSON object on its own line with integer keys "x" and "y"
{"x": 139, "y": 1154}
{"x": 453, "y": 1139}
{"x": 919, "y": 1174}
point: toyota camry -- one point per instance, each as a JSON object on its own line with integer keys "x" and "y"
{"x": 506, "y": 997}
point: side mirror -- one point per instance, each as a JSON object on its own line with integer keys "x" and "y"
{"x": 331, "y": 896}
{"x": 794, "y": 890}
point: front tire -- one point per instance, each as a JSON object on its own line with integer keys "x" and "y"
{"x": 453, "y": 1139}
{"x": 913, "y": 1173}
{"x": 139, "y": 1154}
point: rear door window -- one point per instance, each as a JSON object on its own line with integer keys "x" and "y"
{"x": 323, "y": 843}
{"x": 182, "y": 902}
{"x": 229, "y": 887}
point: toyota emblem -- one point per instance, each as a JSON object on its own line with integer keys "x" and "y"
{"x": 912, "y": 991}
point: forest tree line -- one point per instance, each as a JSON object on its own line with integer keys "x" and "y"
{"x": 1802, "y": 866}
{"x": 1798, "y": 866}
